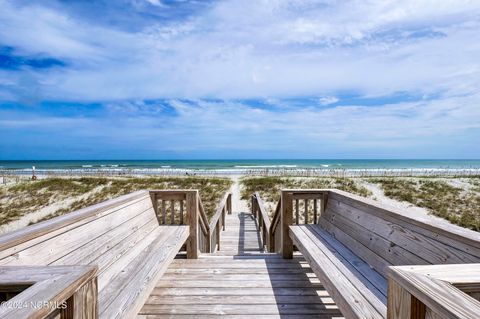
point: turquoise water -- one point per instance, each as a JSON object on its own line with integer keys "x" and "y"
{"x": 238, "y": 165}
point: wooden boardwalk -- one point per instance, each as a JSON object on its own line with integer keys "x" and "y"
{"x": 121, "y": 259}
{"x": 238, "y": 281}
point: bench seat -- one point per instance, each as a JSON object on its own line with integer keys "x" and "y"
{"x": 125, "y": 293}
{"x": 355, "y": 241}
{"x": 122, "y": 237}
{"x": 359, "y": 290}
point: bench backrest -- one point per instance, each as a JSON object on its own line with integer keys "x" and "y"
{"x": 383, "y": 236}
{"x": 95, "y": 235}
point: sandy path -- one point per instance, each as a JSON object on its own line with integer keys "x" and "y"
{"x": 238, "y": 205}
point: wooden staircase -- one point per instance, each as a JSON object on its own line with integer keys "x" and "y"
{"x": 239, "y": 280}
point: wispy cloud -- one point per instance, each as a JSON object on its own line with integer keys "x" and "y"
{"x": 258, "y": 48}
{"x": 225, "y": 128}
{"x": 251, "y": 72}
{"x": 327, "y": 100}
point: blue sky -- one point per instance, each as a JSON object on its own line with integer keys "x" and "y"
{"x": 239, "y": 79}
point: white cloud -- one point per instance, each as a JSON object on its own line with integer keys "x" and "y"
{"x": 155, "y": 2}
{"x": 271, "y": 50}
{"x": 200, "y": 126}
{"x": 327, "y": 100}
{"x": 240, "y": 49}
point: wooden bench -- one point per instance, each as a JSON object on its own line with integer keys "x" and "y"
{"x": 355, "y": 241}
{"x": 122, "y": 237}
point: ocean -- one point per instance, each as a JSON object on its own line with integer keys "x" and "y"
{"x": 274, "y": 166}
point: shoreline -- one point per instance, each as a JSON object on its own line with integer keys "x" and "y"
{"x": 299, "y": 172}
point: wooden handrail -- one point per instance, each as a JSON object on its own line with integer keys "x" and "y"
{"x": 274, "y": 230}
{"x": 261, "y": 215}
{"x": 217, "y": 222}
{"x": 52, "y": 291}
{"x": 262, "y": 210}
{"x": 276, "y": 217}
{"x": 185, "y": 207}
{"x": 204, "y": 227}
{"x": 433, "y": 291}
{"x": 290, "y": 213}
{"x": 203, "y": 216}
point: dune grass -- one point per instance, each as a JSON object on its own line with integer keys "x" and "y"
{"x": 270, "y": 187}
{"x": 18, "y": 200}
{"x": 22, "y": 198}
{"x": 459, "y": 206}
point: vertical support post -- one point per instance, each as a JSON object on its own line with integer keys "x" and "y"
{"x": 286, "y": 221}
{"x": 164, "y": 212}
{"x": 217, "y": 229}
{"x": 181, "y": 212}
{"x": 154, "y": 198}
{"x": 297, "y": 212}
{"x": 229, "y": 202}
{"x": 323, "y": 204}
{"x": 192, "y": 221}
{"x": 271, "y": 242}
{"x": 224, "y": 212}
{"x": 83, "y": 303}
{"x": 401, "y": 304}
{"x": 306, "y": 212}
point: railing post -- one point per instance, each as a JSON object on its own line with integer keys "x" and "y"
{"x": 253, "y": 205}
{"x": 286, "y": 221}
{"x": 324, "y": 204}
{"x": 401, "y": 304}
{"x": 154, "y": 198}
{"x": 83, "y": 303}
{"x": 217, "y": 229}
{"x": 192, "y": 221}
{"x": 229, "y": 203}
{"x": 223, "y": 217}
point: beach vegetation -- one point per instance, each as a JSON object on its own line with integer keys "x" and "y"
{"x": 457, "y": 205}
{"x": 269, "y": 187}
{"x": 26, "y": 197}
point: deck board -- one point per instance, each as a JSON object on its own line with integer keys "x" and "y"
{"x": 240, "y": 281}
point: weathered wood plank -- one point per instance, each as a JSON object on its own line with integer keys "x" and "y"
{"x": 431, "y": 249}
{"x": 458, "y": 237}
{"x": 24, "y": 238}
{"x": 48, "y": 251}
{"x": 241, "y": 277}
{"x": 51, "y": 291}
{"x": 441, "y": 297}
{"x": 131, "y": 287}
{"x": 83, "y": 303}
{"x": 286, "y": 220}
{"x": 242, "y": 309}
{"x": 241, "y": 284}
{"x": 378, "y": 248}
{"x": 236, "y": 292}
{"x": 275, "y": 316}
{"x": 102, "y": 245}
{"x": 348, "y": 297}
{"x": 192, "y": 221}
{"x": 354, "y": 270}
{"x": 376, "y": 261}
{"x": 338, "y": 250}
{"x": 238, "y": 299}
{"x": 399, "y": 301}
